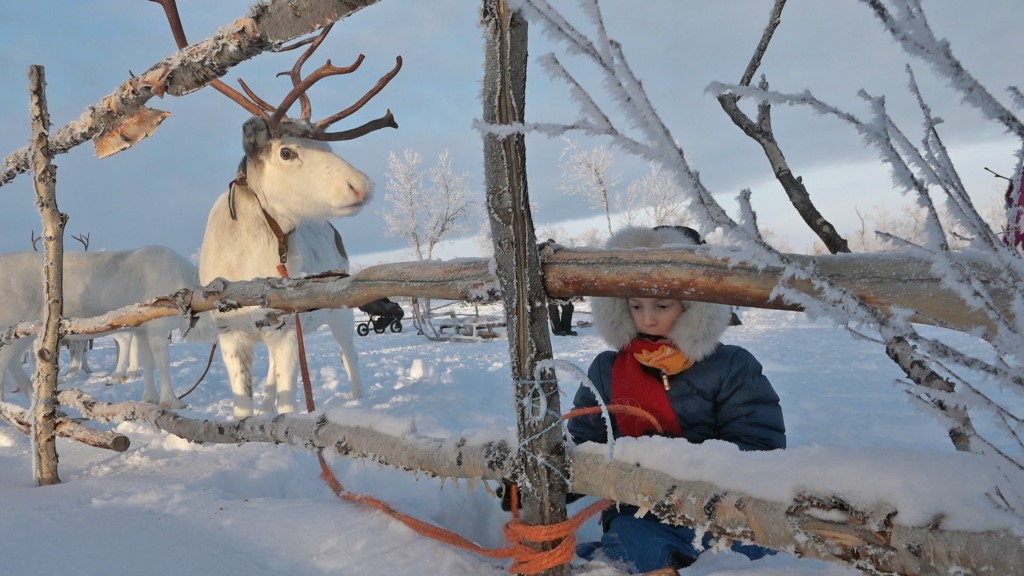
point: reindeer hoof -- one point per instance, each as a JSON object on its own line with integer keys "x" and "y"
{"x": 172, "y": 404}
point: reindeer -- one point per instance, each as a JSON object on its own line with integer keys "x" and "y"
{"x": 96, "y": 283}
{"x": 273, "y": 221}
{"x": 127, "y": 354}
{"x": 77, "y": 348}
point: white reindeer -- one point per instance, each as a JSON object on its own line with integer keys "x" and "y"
{"x": 246, "y": 248}
{"x": 96, "y": 283}
{"x": 274, "y": 219}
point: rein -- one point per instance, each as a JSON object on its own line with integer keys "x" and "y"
{"x": 282, "y": 269}
{"x": 279, "y": 233}
{"x": 209, "y": 362}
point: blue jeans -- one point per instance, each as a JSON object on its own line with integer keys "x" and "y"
{"x": 645, "y": 544}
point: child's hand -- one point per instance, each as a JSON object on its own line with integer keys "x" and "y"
{"x": 667, "y": 359}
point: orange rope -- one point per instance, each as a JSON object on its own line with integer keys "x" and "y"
{"x": 616, "y": 408}
{"x": 526, "y": 559}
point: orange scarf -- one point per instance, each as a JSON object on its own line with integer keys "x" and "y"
{"x": 633, "y": 385}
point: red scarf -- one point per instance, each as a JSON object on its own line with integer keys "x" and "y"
{"x": 632, "y": 385}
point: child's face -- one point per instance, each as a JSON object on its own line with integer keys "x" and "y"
{"x": 655, "y": 316}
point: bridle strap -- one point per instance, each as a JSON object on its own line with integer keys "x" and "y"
{"x": 282, "y": 237}
{"x": 279, "y": 233}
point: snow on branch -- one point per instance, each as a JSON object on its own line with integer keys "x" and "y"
{"x": 908, "y": 24}
{"x": 869, "y": 537}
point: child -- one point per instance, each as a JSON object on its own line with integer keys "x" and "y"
{"x": 668, "y": 361}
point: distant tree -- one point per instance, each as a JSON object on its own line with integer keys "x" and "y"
{"x": 589, "y": 237}
{"x": 425, "y": 216}
{"x": 655, "y": 200}
{"x": 902, "y": 228}
{"x": 586, "y": 172}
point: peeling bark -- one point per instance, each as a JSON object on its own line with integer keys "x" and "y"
{"x": 187, "y": 71}
{"x": 18, "y": 418}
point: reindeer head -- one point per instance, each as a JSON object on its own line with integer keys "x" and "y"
{"x": 288, "y": 162}
{"x": 297, "y": 178}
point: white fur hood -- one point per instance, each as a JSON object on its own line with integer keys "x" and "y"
{"x": 698, "y": 329}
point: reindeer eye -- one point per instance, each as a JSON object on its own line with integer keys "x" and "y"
{"x": 288, "y": 154}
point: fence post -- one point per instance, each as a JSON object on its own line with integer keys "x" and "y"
{"x": 541, "y": 463}
{"x": 44, "y": 397}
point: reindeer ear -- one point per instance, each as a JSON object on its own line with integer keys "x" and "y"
{"x": 255, "y": 136}
{"x": 240, "y": 180}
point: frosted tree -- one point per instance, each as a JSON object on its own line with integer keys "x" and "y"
{"x": 655, "y": 199}
{"x": 909, "y": 223}
{"x": 586, "y": 173}
{"x": 426, "y": 208}
{"x": 425, "y": 215}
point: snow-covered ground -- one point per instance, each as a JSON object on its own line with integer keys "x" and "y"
{"x": 167, "y": 507}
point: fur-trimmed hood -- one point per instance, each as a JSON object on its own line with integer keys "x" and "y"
{"x": 698, "y": 329}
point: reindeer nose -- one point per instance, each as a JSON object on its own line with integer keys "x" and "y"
{"x": 361, "y": 194}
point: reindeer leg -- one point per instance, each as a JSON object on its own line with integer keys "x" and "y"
{"x": 125, "y": 341}
{"x": 10, "y": 363}
{"x": 269, "y": 405}
{"x": 283, "y": 350}
{"x": 146, "y": 352}
{"x": 236, "y": 353}
{"x": 342, "y": 324}
{"x": 161, "y": 356}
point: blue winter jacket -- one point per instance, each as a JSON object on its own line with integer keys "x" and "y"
{"x": 724, "y": 396}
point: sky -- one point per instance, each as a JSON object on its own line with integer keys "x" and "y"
{"x": 160, "y": 191}
{"x": 167, "y": 507}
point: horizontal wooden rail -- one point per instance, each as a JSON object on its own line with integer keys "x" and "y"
{"x": 883, "y": 281}
{"x": 814, "y": 526}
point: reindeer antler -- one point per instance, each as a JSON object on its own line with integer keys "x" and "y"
{"x": 276, "y": 115}
{"x": 84, "y": 239}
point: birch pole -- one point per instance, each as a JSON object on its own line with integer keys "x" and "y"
{"x": 541, "y": 468}
{"x": 44, "y": 398}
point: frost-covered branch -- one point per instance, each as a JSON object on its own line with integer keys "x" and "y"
{"x": 951, "y": 382}
{"x": 760, "y": 130}
{"x": 908, "y": 24}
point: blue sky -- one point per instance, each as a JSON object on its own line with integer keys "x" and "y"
{"x": 160, "y": 191}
